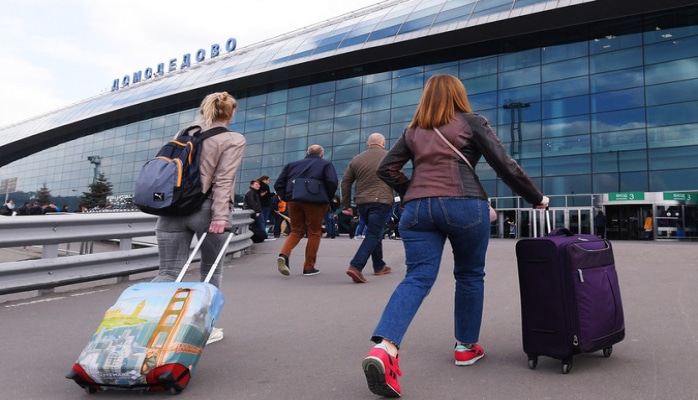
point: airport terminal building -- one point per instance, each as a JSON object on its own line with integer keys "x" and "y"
{"x": 596, "y": 99}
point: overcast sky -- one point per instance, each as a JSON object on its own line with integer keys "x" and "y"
{"x": 56, "y": 53}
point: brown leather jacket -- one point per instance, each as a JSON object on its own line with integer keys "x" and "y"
{"x": 439, "y": 172}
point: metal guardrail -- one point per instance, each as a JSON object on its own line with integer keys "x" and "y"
{"x": 51, "y": 271}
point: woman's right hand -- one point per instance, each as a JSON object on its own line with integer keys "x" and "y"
{"x": 544, "y": 203}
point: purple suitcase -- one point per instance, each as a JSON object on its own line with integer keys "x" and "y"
{"x": 570, "y": 297}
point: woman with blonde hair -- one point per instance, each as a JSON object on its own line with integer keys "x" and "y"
{"x": 220, "y": 158}
{"x": 443, "y": 199}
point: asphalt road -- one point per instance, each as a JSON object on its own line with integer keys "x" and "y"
{"x": 302, "y": 337}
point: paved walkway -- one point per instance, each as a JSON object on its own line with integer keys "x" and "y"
{"x": 302, "y": 337}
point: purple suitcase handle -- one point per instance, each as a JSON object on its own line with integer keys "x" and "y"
{"x": 561, "y": 232}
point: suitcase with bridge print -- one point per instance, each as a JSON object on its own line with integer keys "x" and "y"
{"x": 570, "y": 296}
{"x": 153, "y": 336}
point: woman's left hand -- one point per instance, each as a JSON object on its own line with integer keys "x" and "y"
{"x": 217, "y": 226}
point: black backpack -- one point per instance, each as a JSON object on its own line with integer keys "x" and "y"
{"x": 170, "y": 184}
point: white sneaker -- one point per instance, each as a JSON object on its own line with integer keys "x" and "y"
{"x": 215, "y": 336}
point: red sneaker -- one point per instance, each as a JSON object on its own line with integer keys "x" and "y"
{"x": 468, "y": 356}
{"x": 382, "y": 372}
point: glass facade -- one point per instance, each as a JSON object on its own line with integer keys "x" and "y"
{"x": 610, "y": 113}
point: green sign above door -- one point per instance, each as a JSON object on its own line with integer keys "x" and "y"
{"x": 626, "y": 196}
{"x": 680, "y": 196}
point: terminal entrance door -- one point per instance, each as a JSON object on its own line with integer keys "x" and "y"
{"x": 626, "y": 222}
{"x": 577, "y": 220}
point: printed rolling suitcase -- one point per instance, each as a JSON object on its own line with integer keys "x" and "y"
{"x": 570, "y": 296}
{"x": 153, "y": 336}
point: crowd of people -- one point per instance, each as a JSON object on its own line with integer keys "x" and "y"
{"x": 441, "y": 200}
{"x": 31, "y": 208}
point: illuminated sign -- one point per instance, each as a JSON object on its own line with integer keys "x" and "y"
{"x": 680, "y": 196}
{"x": 172, "y": 65}
{"x": 626, "y": 196}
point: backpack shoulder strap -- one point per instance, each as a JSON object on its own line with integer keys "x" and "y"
{"x": 211, "y": 132}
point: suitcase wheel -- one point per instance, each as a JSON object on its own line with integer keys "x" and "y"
{"x": 532, "y": 362}
{"x": 566, "y": 366}
{"x": 607, "y": 351}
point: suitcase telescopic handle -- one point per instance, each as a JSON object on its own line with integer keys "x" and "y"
{"x": 535, "y": 220}
{"x": 199, "y": 242}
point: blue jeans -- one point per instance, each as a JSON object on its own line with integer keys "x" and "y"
{"x": 360, "y": 228}
{"x": 374, "y": 216}
{"x": 330, "y": 224}
{"x": 425, "y": 224}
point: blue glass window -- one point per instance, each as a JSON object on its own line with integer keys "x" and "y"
{"x": 478, "y": 67}
{"x": 375, "y": 103}
{"x": 618, "y": 120}
{"x": 519, "y": 77}
{"x": 617, "y": 100}
{"x": 615, "y": 60}
{"x": 619, "y": 140}
{"x": 566, "y": 107}
{"x": 302, "y": 104}
{"x": 568, "y": 145}
{"x": 275, "y": 122}
{"x": 566, "y": 88}
{"x": 295, "y": 118}
{"x": 346, "y": 109}
{"x": 321, "y": 113}
{"x": 661, "y": 181}
{"x": 671, "y": 71}
{"x": 347, "y": 95}
{"x": 567, "y": 184}
{"x": 552, "y": 54}
{"x": 410, "y": 97}
{"x": 565, "y": 69}
{"x": 483, "y": 101}
{"x": 622, "y": 79}
{"x": 672, "y": 136}
{"x": 670, "y": 50}
{"x": 481, "y": 84}
{"x": 377, "y": 89}
{"x": 322, "y": 100}
{"x": 409, "y": 82}
{"x": 673, "y": 92}
{"x": 568, "y": 126}
{"x": 672, "y": 114}
{"x": 673, "y": 158}
{"x": 612, "y": 43}
{"x": 519, "y": 60}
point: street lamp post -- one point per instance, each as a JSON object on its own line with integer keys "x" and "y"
{"x": 516, "y": 116}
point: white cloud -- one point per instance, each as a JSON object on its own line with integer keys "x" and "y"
{"x": 58, "y": 53}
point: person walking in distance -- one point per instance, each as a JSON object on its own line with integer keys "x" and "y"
{"x": 443, "y": 199}
{"x": 220, "y": 158}
{"x": 253, "y": 202}
{"x": 374, "y": 201}
{"x": 305, "y": 213}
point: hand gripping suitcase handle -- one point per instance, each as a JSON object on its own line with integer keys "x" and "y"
{"x": 199, "y": 242}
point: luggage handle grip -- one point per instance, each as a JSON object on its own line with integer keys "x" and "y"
{"x": 199, "y": 242}
{"x": 561, "y": 232}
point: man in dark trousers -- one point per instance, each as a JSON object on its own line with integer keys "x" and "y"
{"x": 252, "y": 202}
{"x": 374, "y": 200}
{"x": 305, "y": 213}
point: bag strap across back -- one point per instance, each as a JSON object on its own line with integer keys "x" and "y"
{"x": 454, "y": 148}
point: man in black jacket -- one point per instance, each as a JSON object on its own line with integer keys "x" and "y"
{"x": 305, "y": 213}
{"x": 252, "y": 202}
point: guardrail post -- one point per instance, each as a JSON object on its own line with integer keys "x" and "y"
{"x": 49, "y": 251}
